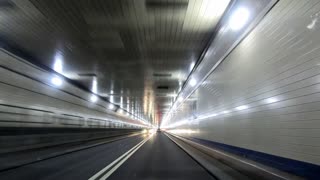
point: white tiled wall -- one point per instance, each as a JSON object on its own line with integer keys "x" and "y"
{"x": 279, "y": 59}
{"x": 27, "y": 99}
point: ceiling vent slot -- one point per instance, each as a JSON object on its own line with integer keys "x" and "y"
{"x": 87, "y": 75}
{"x": 163, "y": 5}
{"x": 162, "y": 75}
{"x": 163, "y": 87}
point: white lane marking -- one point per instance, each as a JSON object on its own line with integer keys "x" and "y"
{"x": 123, "y": 157}
{"x": 121, "y": 162}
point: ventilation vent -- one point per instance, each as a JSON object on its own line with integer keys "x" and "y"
{"x": 162, "y": 75}
{"x": 87, "y": 75}
{"x": 172, "y": 4}
{"x": 163, "y": 87}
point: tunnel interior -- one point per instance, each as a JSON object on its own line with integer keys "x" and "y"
{"x": 159, "y": 89}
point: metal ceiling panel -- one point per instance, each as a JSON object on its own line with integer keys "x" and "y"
{"x": 123, "y": 42}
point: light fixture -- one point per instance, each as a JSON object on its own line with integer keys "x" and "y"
{"x": 225, "y": 112}
{"x": 57, "y": 66}
{"x": 271, "y": 100}
{"x": 121, "y": 102}
{"x": 240, "y": 108}
{"x": 180, "y": 99}
{"x": 120, "y": 111}
{"x": 193, "y": 82}
{"x": 191, "y": 66}
{"x": 93, "y": 98}
{"x": 239, "y": 18}
{"x": 94, "y": 85}
{"x": 111, "y": 106}
{"x": 57, "y": 81}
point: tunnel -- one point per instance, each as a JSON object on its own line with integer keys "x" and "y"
{"x": 159, "y": 89}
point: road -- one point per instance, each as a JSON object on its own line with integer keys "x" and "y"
{"x": 158, "y": 158}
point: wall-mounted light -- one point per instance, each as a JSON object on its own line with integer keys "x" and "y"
{"x": 240, "y": 108}
{"x": 120, "y": 111}
{"x": 239, "y": 18}
{"x": 58, "y": 64}
{"x": 271, "y": 100}
{"x": 93, "y": 98}
{"x": 111, "y": 106}
{"x": 191, "y": 66}
{"x": 225, "y": 112}
{"x": 57, "y": 81}
{"x": 193, "y": 82}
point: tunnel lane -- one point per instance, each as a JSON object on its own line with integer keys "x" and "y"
{"x": 160, "y": 158}
{"x": 143, "y": 157}
{"x": 77, "y": 165}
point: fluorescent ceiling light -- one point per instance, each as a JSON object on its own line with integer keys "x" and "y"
{"x": 111, "y": 106}
{"x": 57, "y": 66}
{"x": 226, "y": 112}
{"x": 271, "y": 100}
{"x": 193, "y": 82}
{"x": 93, "y": 98}
{"x": 191, "y": 66}
{"x": 172, "y": 95}
{"x": 240, "y": 108}
{"x": 214, "y": 8}
{"x": 239, "y": 18}
{"x": 56, "y": 81}
{"x": 94, "y": 85}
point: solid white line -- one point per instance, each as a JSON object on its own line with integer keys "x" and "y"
{"x": 121, "y": 162}
{"x": 134, "y": 149}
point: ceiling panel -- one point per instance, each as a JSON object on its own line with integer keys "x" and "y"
{"x": 122, "y": 42}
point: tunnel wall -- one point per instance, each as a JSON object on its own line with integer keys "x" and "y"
{"x": 36, "y": 114}
{"x": 14, "y": 139}
{"x": 27, "y": 99}
{"x": 273, "y": 75}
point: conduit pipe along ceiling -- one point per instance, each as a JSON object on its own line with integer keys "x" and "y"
{"x": 240, "y": 18}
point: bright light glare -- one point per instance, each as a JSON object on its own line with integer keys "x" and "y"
{"x": 271, "y": 100}
{"x": 226, "y": 112}
{"x": 239, "y": 18}
{"x": 191, "y": 66}
{"x": 193, "y": 82}
{"x": 207, "y": 116}
{"x": 180, "y": 99}
{"x": 151, "y": 131}
{"x": 56, "y": 81}
{"x": 57, "y": 66}
{"x": 111, "y": 106}
{"x": 215, "y": 8}
{"x": 93, "y": 98}
{"x": 182, "y": 131}
{"x": 94, "y": 86}
{"x": 240, "y": 108}
{"x": 172, "y": 95}
{"x": 144, "y": 131}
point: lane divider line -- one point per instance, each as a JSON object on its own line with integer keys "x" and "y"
{"x": 108, "y": 170}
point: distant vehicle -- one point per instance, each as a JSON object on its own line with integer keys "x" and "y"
{"x": 158, "y": 130}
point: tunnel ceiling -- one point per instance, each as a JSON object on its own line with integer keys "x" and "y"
{"x": 139, "y": 52}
